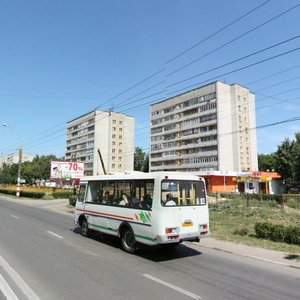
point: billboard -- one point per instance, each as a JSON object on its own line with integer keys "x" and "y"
{"x": 66, "y": 170}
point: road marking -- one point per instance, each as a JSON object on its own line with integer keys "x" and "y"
{"x": 55, "y": 234}
{"x": 174, "y": 287}
{"x": 25, "y": 288}
{"x": 15, "y": 217}
{"x": 6, "y": 290}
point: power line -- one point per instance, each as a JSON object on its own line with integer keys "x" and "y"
{"x": 132, "y": 87}
{"x": 237, "y": 60}
{"x": 237, "y": 70}
{"x": 218, "y": 31}
{"x": 235, "y": 39}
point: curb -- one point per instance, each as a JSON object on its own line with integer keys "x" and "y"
{"x": 252, "y": 256}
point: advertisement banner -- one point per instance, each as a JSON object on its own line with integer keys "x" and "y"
{"x": 66, "y": 170}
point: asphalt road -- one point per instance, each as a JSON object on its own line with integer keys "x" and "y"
{"x": 43, "y": 256}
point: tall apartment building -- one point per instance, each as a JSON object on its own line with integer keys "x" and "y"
{"x": 206, "y": 129}
{"x": 111, "y": 132}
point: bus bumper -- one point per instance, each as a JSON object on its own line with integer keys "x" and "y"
{"x": 173, "y": 238}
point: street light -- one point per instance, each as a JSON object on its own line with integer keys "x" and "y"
{"x": 20, "y": 159}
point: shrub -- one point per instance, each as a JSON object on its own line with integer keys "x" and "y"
{"x": 278, "y": 232}
{"x": 35, "y": 195}
{"x": 243, "y": 231}
{"x": 72, "y": 200}
{"x": 63, "y": 195}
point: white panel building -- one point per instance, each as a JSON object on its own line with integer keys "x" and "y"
{"x": 13, "y": 158}
{"x": 206, "y": 129}
{"x": 111, "y": 132}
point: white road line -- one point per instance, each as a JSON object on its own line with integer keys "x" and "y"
{"x": 15, "y": 217}
{"x": 6, "y": 290}
{"x": 25, "y": 288}
{"x": 55, "y": 234}
{"x": 174, "y": 287}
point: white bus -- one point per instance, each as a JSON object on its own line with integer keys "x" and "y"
{"x": 162, "y": 208}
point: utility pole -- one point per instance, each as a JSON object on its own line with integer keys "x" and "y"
{"x": 19, "y": 160}
{"x": 19, "y": 172}
{"x": 102, "y": 162}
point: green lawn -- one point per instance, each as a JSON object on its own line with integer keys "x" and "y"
{"x": 234, "y": 220}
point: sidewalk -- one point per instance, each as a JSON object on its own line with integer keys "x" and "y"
{"x": 273, "y": 256}
{"x": 278, "y": 257}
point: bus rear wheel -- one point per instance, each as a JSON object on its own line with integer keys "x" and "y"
{"x": 128, "y": 241}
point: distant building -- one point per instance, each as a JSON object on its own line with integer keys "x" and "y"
{"x": 210, "y": 128}
{"x": 111, "y": 132}
{"x": 13, "y": 158}
{"x": 243, "y": 182}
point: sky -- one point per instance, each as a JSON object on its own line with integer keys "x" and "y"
{"x": 62, "y": 59}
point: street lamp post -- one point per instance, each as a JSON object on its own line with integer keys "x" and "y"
{"x": 19, "y": 160}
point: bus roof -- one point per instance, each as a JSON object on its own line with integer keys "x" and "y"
{"x": 141, "y": 175}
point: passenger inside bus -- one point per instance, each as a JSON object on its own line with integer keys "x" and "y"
{"x": 106, "y": 198}
{"x": 124, "y": 200}
{"x": 135, "y": 202}
{"x": 169, "y": 201}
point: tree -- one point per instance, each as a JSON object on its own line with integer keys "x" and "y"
{"x": 297, "y": 158}
{"x": 141, "y": 160}
{"x": 285, "y": 161}
{"x": 9, "y": 173}
{"x": 38, "y": 169}
{"x": 146, "y": 163}
{"x": 266, "y": 162}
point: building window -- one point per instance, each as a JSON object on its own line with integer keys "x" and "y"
{"x": 114, "y": 122}
{"x": 113, "y": 150}
{"x": 120, "y": 137}
{"x": 120, "y": 129}
{"x": 113, "y": 136}
{"x": 120, "y": 122}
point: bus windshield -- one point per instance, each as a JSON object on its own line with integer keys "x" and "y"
{"x": 182, "y": 193}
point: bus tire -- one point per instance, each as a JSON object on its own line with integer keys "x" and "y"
{"x": 128, "y": 240}
{"x": 85, "y": 228}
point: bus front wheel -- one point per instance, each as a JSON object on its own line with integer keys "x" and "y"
{"x": 85, "y": 228}
{"x": 128, "y": 240}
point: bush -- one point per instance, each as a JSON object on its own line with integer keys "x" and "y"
{"x": 243, "y": 231}
{"x": 35, "y": 195}
{"x": 278, "y": 233}
{"x": 72, "y": 200}
{"x": 63, "y": 195}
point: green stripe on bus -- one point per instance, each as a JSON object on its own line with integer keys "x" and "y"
{"x": 144, "y": 237}
{"x": 103, "y": 227}
{"x": 114, "y": 230}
